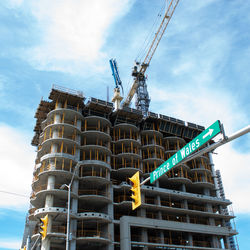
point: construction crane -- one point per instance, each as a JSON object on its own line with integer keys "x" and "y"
{"x": 117, "y": 97}
{"x": 139, "y": 85}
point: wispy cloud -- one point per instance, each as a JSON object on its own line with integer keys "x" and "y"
{"x": 17, "y": 162}
{"x": 73, "y": 33}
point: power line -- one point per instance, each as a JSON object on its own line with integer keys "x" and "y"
{"x": 6, "y": 192}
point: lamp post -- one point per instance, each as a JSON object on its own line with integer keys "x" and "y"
{"x": 68, "y": 212}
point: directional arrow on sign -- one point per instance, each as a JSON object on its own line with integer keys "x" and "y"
{"x": 208, "y": 133}
{"x": 187, "y": 150}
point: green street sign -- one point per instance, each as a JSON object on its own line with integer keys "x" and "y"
{"x": 187, "y": 150}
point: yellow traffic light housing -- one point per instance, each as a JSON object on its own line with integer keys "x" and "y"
{"x": 44, "y": 226}
{"x": 136, "y": 190}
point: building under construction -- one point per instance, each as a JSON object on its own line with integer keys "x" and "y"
{"x": 184, "y": 209}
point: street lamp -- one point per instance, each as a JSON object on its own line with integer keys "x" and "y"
{"x": 68, "y": 212}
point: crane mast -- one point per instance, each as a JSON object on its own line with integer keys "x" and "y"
{"x": 139, "y": 85}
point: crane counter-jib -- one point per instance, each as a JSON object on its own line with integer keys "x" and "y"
{"x": 139, "y": 76}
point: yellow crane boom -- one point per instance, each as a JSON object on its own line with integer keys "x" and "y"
{"x": 157, "y": 38}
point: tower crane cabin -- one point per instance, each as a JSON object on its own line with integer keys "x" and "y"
{"x": 139, "y": 86}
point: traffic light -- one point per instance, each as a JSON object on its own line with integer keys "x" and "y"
{"x": 136, "y": 190}
{"x": 43, "y": 227}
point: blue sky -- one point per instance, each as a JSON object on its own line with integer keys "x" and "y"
{"x": 199, "y": 73}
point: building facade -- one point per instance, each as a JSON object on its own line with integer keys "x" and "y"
{"x": 182, "y": 210}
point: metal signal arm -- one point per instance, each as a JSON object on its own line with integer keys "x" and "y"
{"x": 157, "y": 38}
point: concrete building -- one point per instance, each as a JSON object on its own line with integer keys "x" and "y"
{"x": 182, "y": 210}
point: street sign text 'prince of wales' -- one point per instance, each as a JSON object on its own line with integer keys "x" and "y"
{"x": 188, "y": 149}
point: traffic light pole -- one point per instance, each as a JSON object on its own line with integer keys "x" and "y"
{"x": 209, "y": 148}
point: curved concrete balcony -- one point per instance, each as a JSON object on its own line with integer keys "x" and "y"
{"x": 152, "y": 159}
{"x": 125, "y": 131}
{"x": 127, "y": 142}
{"x": 200, "y": 170}
{"x": 38, "y": 196}
{"x": 95, "y": 179}
{"x": 66, "y": 141}
{"x": 94, "y": 163}
{"x": 59, "y": 171}
{"x": 152, "y": 132}
{"x": 69, "y": 113}
{"x": 58, "y": 155}
{"x": 129, "y": 155}
{"x": 94, "y": 236}
{"x": 173, "y": 143}
{"x": 179, "y": 175}
{"x": 152, "y": 146}
{"x": 96, "y": 134}
{"x": 55, "y": 211}
{"x": 68, "y": 128}
{"x": 94, "y": 196}
{"x": 180, "y": 179}
{"x": 91, "y": 122}
{"x": 56, "y": 231}
{"x": 204, "y": 183}
{"x": 126, "y": 127}
{"x": 127, "y": 168}
{"x": 94, "y": 216}
{"x": 100, "y": 149}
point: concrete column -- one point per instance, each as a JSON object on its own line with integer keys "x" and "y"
{"x": 190, "y": 239}
{"x": 111, "y": 215}
{"x": 49, "y": 201}
{"x": 125, "y": 240}
{"x": 206, "y": 191}
{"x": 144, "y": 237}
{"x": 79, "y": 124}
{"x": 51, "y": 182}
{"x": 57, "y": 119}
{"x": 214, "y": 174}
{"x": 215, "y": 242}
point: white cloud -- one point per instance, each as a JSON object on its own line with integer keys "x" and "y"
{"x": 10, "y": 243}
{"x": 17, "y": 162}
{"x": 235, "y": 173}
{"x": 73, "y": 32}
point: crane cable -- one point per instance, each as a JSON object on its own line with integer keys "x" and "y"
{"x": 151, "y": 33}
